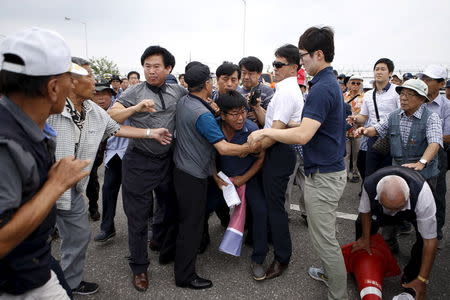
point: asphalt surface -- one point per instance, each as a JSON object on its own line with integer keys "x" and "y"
{"x": 107, "y": 265}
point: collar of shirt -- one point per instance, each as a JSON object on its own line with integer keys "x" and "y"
{"x": 286, "y": 82}
{"x": 322, "y": 73}
{"x": 156, "y": 89}
{"x": 35, "y": 133}
{"x": 386, "y": 88}
{"x": 237, "y": 132}
{"x": 390, "y": 212}
{"x": 418, "y": 113}
{"x": 438, "y": 100}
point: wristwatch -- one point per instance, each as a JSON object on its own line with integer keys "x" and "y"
{"x": 423, "y": 161}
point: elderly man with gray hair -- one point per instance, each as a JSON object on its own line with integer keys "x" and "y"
{"x": 394, "y": 194}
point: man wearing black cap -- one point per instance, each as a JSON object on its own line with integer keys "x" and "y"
{"x": 198, "y": 138}
{"x": 407, "y": 76}
{"x": 115, "y": 85}
{"x": 147, "y": 166}
{"x": 112, "y": 151}
{"x": 102, "y": 97}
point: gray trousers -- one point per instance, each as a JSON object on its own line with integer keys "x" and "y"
{"x": 75, "y": 233}
{"x": 322, "y": 194}
{"x": 298, "y": 178}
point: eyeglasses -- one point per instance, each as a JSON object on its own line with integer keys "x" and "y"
{"x": 355, "y": 83}
{"x": 407, "y": 94}
{"x": 236, "y": 115}
{"x": 279, "y": 64}
{"x": 301, "y": 55}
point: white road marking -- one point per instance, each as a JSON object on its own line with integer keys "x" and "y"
{"x": 341, "y": 215}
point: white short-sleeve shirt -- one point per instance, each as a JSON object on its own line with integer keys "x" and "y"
{"x": 425, "y": 210}
{"x": 286, "y": 104}
{"x": 387, "y": 101}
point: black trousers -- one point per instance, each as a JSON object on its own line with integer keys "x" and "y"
{"x": 361, "y": 164}
{"x": 141, "y": 174}
{"x": 412, "y": 268}
{"x": 191, "y": 197}
{"x": 110, "y": 191}
{"x": 56, "y": 267}
{"x": 375, "y": 160}
{"x": 441, "y": 190}
{"x": 278, "y": 165}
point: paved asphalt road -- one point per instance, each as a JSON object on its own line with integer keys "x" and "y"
{"x": 106, "y": 264}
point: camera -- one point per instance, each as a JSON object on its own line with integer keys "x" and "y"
{"x": 254, "y": 96}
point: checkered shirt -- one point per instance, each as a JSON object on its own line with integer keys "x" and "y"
{"x": 434, "y": 126}
{"x": 97, "y": 126}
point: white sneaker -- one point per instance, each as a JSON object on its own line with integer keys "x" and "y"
{"x": 317, "y": 274}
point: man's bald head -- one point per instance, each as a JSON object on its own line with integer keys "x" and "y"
{"x": 393, "y": 192}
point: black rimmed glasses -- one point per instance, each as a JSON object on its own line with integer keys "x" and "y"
{"x": 236, "y": 115}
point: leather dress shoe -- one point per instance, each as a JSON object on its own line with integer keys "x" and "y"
{"x": 140, "y": 282}
{"x": 275, "y": 269}
{"x": 197, "y": 284}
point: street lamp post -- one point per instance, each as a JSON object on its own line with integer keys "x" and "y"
{"x": 85, "y": 33}
{"x": 243, "y": 36}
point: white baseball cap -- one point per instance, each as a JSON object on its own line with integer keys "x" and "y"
{"x": 356, "y": 77}
{"x": 44, "y": 53}
{"x": 435, "y": 72}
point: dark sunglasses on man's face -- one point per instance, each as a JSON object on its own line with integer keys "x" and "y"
{"x": 355, "y": 83}
{"x": 279, "y": 64}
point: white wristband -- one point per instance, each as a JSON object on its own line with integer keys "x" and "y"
{"x": 148, "y": 132}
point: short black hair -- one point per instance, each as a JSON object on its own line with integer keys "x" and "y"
{"x": 389, "y": 63}
{"x": 228, "y": 68}
{"x": 29, "y": 86}
{"x": 168, "y": 58}
{"x": 252, "y": 64}
{"x": 318, "y": 38}
{"x": 80, "y": 61}
{"x": 181, "y": 75}
{"x": 133, "y": 72}
{"x": 290, "y": 53}
{"x": 231, "y": 100}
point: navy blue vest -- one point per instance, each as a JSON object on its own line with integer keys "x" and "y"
{"x": 28, "y": 265}
{"x": 415, "y": 182}
{"x": 416, "y": 145}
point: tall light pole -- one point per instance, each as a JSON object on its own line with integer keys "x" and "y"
{"x": 85, "y": 33}
{"x": 243, "y": 36}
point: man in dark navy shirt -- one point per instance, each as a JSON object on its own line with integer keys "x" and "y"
{"x": 322, "y": 131}
{"x": 244, "y": 170}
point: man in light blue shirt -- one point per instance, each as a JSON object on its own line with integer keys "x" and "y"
{"x": 114, "y": 152}
{"x": 434, "y": 76}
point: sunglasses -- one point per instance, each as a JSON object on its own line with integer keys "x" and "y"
{"x": 355, "y": 83}
{"x": 279, "y": 64}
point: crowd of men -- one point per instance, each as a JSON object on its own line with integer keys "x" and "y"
{"x": 163, "y": 143}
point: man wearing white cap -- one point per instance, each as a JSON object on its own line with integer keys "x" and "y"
{"x": 434, "y": 76}
{"x": 35, "y": 81}
{"x": 355, "y": 98}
